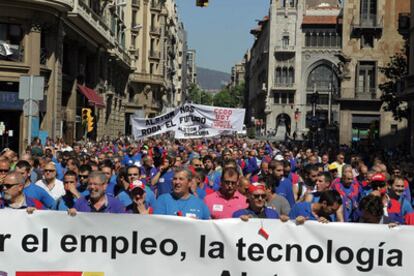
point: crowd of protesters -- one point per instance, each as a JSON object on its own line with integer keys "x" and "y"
{"x": 216, "y": 178}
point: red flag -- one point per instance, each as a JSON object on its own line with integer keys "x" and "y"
{"x": 263, "y": 233}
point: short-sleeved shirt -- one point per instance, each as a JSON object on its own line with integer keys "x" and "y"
{"x": 191, "y": 207}
{"x": 112, "y": 205}
{"x": 164, "y": 184}
{"x": 220, "y": 207}
{"x": 57, "y": 191}
{"x": 266, "y": 213}
{"x": 284, "y": 188}
{"x": 302, "y": 209}
{"x": 36, "y": 192}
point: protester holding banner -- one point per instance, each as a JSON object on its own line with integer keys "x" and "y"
{"x": 224, "y": 202}
{"x": 329, "y": 202}
{"x": 13, "y": 196}
{"x": 180, "y": 202}
{"x": 97, "y": 201}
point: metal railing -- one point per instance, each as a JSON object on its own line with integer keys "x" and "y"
{"x": 284, "y": 48}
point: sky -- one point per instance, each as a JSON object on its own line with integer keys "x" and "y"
{"x": 220, "y": 33}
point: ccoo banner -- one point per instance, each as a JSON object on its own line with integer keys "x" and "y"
{"x": 191, "y": 121}
{"x": 52, "y": 243}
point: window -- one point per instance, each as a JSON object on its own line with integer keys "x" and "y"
{"x": 368, "y": 12}
{"x": 276, "y": 98}
{"x": 322, "y": 78}
{"x": 133, "y": 41}
{"x": 366, "y": 77}
{"x": 11, "y": 37}
{"x": 367, "y": 41}
{"x": 134, "y": 18}
{"x": 285, "y": 41}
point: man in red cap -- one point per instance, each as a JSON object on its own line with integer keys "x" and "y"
{"x": 256, "y": 205}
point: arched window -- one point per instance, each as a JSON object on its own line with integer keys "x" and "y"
{"x": 322, "y": 78}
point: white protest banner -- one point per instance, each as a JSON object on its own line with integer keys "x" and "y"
{"x": 130, "y": 245}
{"x": 190, "y": 121}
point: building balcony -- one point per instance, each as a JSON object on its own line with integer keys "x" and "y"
{"x": 155, "y": 30}
{"x": 156, "y": 5}
{"x": 284, "y": 86}
{"x": 147, "y": 78}
{"x": 285, "y": 49}
{"x": 135, "y": 3}
{"x": 121, "y": 56}
{"x": 154, "y": 54}
{"x": 357, "y": 94}
{"x": 91, "y": 23}
{"x": 373, "y": 25}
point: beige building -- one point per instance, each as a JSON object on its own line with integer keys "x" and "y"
{"x": 370, "y": 38}
{"x": 191, "y": 67}
{"x": 78, "y": 46}
{"x": 154, "y": 37}
{"x": 238, "y": 72}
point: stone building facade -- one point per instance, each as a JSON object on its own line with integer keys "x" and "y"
{"x": 371, "y": 37}
{"x": 314, "y": 69}
{"x": 72, "y": 44}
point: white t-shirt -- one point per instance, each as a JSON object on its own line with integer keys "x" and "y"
{"x": 57, "y": 191}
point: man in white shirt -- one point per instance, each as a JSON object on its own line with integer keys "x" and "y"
{"x": 50, "y": 183}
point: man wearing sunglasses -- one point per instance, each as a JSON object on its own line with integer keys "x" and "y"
{"x": 13, "y": 195}
{"x": 224, "y": 202}
{"x": 83, "y": 175}
{"x": 257, "y": 199}
{"x": 50, "y": 183}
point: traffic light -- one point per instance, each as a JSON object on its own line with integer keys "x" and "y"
{"x": 86, "y": 112}
{"x": 202, "y": 3}
{"x": 87, "y": 119}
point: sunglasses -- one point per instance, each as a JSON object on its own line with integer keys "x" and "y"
{"x": 83, "y": 176}
{"x": 261, "y": 196}
{"x": 133, "y": 174}
{"x": 7, "y": 186}
{"x": 47, "y": 171}
{"x": 4, "y": 171}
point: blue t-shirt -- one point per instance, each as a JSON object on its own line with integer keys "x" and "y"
{"x": 60, "y": 171}
{"x": 131, "y": 160}
{"x": 269, "y": 213}
{"x": 110, "y": 189}
{"x": 285, "y": 189}
{"x": 112, "y": 205}
{"x": 164, "y": 184}
{"x": 192, "y": 207}
{"x": 36, "y": 192}
{"x": 302, "y": 209}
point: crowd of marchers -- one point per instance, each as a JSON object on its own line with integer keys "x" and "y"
{"x": 217, "y": 178}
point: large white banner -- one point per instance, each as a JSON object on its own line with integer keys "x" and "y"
{"x": 131, "y": 245}
{"x": 190, "y": 121}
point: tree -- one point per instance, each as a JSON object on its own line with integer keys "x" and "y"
{"x": 395, "y": 71}
{"x": 230, "y": 96}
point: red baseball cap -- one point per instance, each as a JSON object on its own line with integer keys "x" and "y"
{"x": 256, "y": 187}
{"x": 379, "y": 177}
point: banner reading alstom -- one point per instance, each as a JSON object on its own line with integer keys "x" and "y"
{"x": 190, "y": 121}
{"x": 130, "y": 245}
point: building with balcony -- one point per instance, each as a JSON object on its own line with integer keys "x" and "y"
{"x": 70, "y": 43}
{"x": 370, "y": 38}
{"x": 154, "y": 37}
{"x": 294, "y": 56}
{"x": 191, "y": 67}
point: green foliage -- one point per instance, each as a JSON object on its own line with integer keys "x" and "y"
{"x": 230, "y": 96}
{"x": 395, "y": 71}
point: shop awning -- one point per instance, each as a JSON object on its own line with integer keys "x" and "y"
{"x": 92, "y": 96}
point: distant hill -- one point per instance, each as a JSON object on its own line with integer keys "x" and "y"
{"x": 212, "y": 79}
